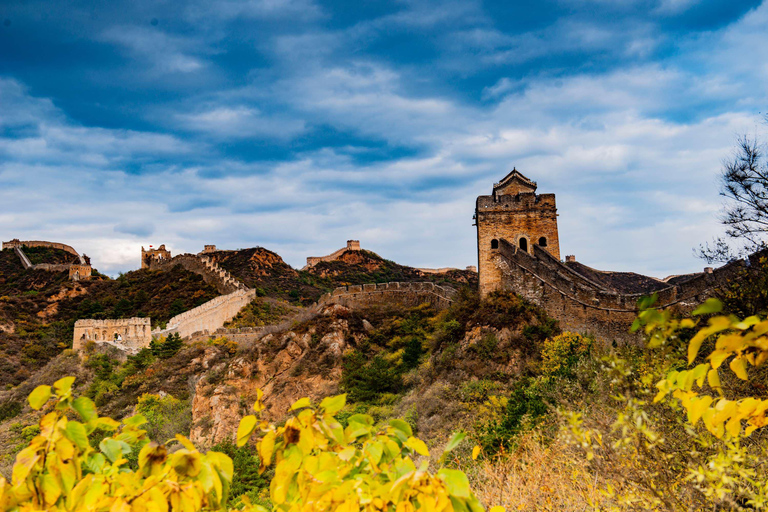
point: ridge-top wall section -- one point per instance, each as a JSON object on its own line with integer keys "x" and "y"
{"x": 583, "y": 306}
{"x": 209, "y": 316}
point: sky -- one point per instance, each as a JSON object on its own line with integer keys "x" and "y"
{"x": 296, "y": 125}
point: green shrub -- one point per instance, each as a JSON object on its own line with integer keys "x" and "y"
{"x": 166, "y": 416}
{"x": 524, "y": 409}
{"x": 10, "y": 409}
{"x": 364, "y": 379}
{"x": 246, "y": 479}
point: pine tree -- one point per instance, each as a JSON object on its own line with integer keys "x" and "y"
{"x": 172, "y": 345}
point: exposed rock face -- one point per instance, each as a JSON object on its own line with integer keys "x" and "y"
{"x": 286, "y": 366}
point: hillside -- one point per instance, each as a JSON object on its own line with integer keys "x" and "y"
{"x": 264, "y": 270}
{"x": 528, "y": 396}
{"x": 38, "y": 308}
{"x": 391, "y": 360}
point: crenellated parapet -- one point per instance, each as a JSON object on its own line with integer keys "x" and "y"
{"x": 352, "y": 245}
{"x": 407, "y": 293}
{"x": 208, "y": 317}
{"x": 584, "y": 305}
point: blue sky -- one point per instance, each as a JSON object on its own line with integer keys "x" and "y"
{"x": 298, "y": 124}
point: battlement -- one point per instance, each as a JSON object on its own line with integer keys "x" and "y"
{"x": 520, "y": 201}
{"x": 583, "y": 305}
{"x": 407, "y": 293}
{"x": 352, "y": 245}
{"x": 209, "y": 316}
{"x": 77, "y": 272}
{"x": 128, "y": 334}
{"x": 40, "y": 243}
{"x": 152, "y": 256}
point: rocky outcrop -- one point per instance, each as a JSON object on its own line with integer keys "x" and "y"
{"x": 286, "y": 366}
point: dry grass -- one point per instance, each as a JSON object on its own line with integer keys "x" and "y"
{"x": 537, "y": 477}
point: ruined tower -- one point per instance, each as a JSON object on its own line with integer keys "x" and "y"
{"x": 161, "y": 254}
{"x": 516, "y": 214}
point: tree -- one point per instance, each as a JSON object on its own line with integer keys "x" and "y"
{"x": 745, "y": 185}
{"x": 170, "y": 346}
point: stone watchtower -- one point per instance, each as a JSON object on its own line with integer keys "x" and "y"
{"x": 515, "y": 213}
{"x": 160, "y": 255}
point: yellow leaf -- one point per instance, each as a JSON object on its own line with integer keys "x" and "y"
{"x": 418, "y": 446}
{"x": 733, "y": 426}
{"x": 258, "y": 406}
{"x": 301, "y": 404}
{"x": 739, "y": 367}
{"x": 51, "y": 489}
{"x": 697, "y": 408}
{"x": 39, "y": 396}
{"x": 475, "y": 453}
{"x": 25, "y": 461}
{"x": 246, "y": 428}
{"x": 266, "y": 447}
{"x": 694, "y": 345}
{"x": 63, "y": 386}
{"x": 717, "y": 357}
{"x": 333, "y": 404}
{"x": 714, "y": 380}
{"x": 498, "y": 508}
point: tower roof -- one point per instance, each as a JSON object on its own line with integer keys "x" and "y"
{"x": 514, "y": 183}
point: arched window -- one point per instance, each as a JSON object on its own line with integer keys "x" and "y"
{"x": 524, "y": 244}
{"x": 542, "y": 242}
{"x": 494, "y": 244}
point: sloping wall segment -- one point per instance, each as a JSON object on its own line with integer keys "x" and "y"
{"x": 582, "y": 305}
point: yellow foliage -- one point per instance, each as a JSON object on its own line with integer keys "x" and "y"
{"x": 319, "y": 465}
{"x": 322, "y": 466}
{"x": 560, "y": 353}
{"x": 743, "y": 343}
{"x": 222, "y": 341}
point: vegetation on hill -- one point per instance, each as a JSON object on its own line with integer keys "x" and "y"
{"x": 38, "y": 309}
{"x": 265, "y": 271}
{"x": 50, "y": 255}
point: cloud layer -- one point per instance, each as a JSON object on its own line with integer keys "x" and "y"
{"x": 298, "y": 124}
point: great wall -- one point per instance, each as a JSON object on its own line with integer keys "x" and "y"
{"x": 406, "y": 294}
{"x": 518, "y": 250}
{"x": 80, "y": 271}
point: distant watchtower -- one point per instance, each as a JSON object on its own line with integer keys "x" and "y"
{"x": 515, "y": 213}
{"x": 160, "y": 254}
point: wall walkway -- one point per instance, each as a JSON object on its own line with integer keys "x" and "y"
{"x": 208, "y": 317}
{"x": 408, "y": 294}
{"x": 582, "y": 305}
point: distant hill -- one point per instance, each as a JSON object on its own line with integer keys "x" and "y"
{"x": 266, "y": 271}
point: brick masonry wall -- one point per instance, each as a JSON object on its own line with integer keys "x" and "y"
{"x": 407, "y": 294}
{"x": 212, "y": 274}
{"x": 208, "y": 317}
{"x": 135, "y": 333}
{"x": 583, "y": 306}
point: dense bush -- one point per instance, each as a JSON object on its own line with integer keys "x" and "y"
{"x": 365, "y": 379}
{"x": 166, "y": 416}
